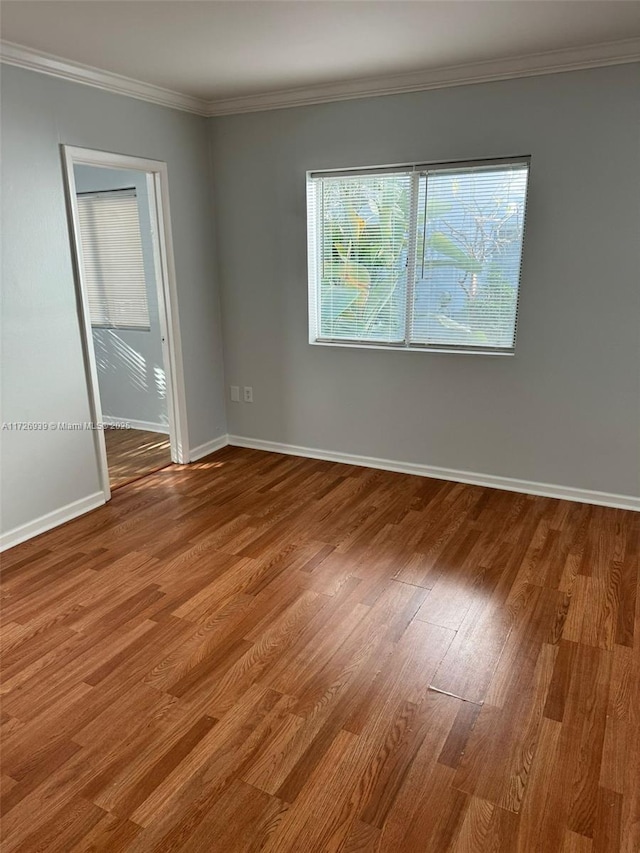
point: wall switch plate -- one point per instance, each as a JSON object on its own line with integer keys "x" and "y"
{"x": 235, "y": 393}
{"x": 248, "y": 394}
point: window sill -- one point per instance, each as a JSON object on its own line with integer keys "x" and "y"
{"x": 421, "y": 349}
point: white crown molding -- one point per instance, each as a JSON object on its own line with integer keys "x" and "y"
{"x": 509, "y": 484}
{"x": 56, "y": 66}
{"x": 531, "y": 65}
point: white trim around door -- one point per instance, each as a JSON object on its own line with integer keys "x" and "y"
{"x": 158, "y": 186}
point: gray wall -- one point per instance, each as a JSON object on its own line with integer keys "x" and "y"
{"x": 130, "y": 363}
{"x": 43, "y": 378}
{"x": 565, "y": 409}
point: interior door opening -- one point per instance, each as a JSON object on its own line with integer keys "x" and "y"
{"x": 119, "y": 221}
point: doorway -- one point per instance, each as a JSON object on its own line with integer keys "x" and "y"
{"x": 119, "y": 220}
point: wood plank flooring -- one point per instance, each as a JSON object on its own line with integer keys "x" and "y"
{"x": 134, "y": 453}
{"x": 268, "y": 653}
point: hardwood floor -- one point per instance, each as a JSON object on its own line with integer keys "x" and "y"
{"x": 267, "y": 653}
{"x": 134, "y": 453}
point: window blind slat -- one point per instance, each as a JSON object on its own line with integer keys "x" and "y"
{"x": 113, "y": 262}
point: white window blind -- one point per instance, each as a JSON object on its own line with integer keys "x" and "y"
{"x": 417, "y": 257}
{"x": 363, "y": 255}
{"x": 112, "y": 259}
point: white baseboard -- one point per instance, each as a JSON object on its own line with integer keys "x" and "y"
{"x": 208, "y": 447}
{"x": 547, "y": 490}
{"x": 50, "y": 520}
{"x": 73, "y": 510}
{"x": 149, "y": 426}
{"x": 80, "y": 507}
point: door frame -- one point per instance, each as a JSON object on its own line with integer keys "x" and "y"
{"x": 160, "y": 216}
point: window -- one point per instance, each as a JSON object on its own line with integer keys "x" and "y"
{"x": 417, "y": 257}
{"x": 112, "y": 259}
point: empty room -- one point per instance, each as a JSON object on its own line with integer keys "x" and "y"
{"x": 320, "y": 442}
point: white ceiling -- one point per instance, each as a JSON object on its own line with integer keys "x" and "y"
{"x": 216, "y": 50}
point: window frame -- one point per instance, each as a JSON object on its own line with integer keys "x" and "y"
{"x": 416, "y": 170}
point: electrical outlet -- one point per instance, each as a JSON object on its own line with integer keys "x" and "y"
{"x": 235, "y": 393}
{"x": 248, "y": 394}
